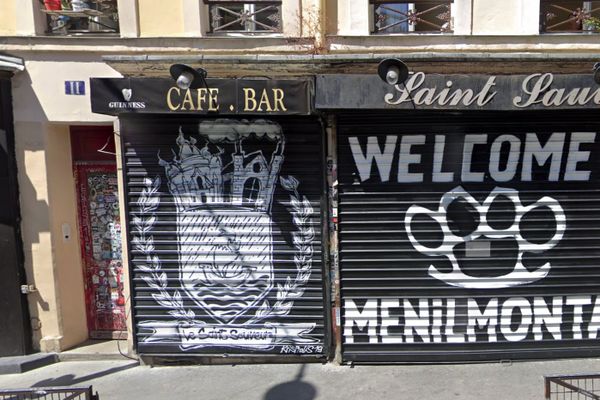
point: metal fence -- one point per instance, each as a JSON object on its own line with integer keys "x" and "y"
{"x": 576, "y": 387}
{"x": 71, "y": 393}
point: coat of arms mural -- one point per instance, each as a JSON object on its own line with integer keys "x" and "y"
{"x": 221, "y": 184}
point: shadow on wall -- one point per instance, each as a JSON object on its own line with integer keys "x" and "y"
{"x": 293, "y": 390}
{"x": 34, "y": 211}
{"x": 27, "y": 107}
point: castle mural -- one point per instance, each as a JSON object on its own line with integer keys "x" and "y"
{"x": 222, "y": 184}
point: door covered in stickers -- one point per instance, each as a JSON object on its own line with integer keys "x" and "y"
{"x": 225, "y": 235}
{"x": 100, "y": 233}
{"x": 469, "y": 236}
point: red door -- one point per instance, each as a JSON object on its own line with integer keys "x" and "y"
{"x": 100, "y": 232}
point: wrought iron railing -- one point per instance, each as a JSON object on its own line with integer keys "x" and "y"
{"x": 417, "y": 16}
{"x": 66, "y": 17}
{"x": 575, "y": 387}
{"x": 245, "y": 16}
{"x": 569, "y": 16}
{"x": 71, "y": 393}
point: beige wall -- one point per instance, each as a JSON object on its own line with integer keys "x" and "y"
{"x": 353, "y": 17}
{"x": 507, "y": 17}
{"x": 66, "y": 251}
{"x": 161, "y": 18}
{"x": 39, "y": 92}
{"x": 43, "y": 113}
{"x": 8, "y": 19}
{"x": 37, "y": 243}
{"x": 52, "y": 263}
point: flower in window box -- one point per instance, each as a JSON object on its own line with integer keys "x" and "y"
{"x": 591, "y": 24}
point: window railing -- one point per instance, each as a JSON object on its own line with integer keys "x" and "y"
{"x": 424, "y": 16}
{"x": 257, "y": 16}
{"x": 66, "y": 17}
{"x": 569, "y": 16}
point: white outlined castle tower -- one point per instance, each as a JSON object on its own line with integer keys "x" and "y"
{"x": 196, "y": 176}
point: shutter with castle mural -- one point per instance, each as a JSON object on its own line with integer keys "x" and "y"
{"x": 225, "y": 235}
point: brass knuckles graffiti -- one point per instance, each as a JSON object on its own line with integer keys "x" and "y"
{"x": 519, "y": 275}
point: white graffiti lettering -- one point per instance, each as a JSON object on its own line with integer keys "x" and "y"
{"x": 301, "y": 349}
{"x": 512, "y": 319}
{"x": 508, "y": 158}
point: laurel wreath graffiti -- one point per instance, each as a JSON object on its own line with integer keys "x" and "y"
{"x": 155, "y": 278}
{"x": 302, "y": 238}
{"x": 144, "y": 243}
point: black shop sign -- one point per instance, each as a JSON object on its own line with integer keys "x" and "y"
{"x": 422, "y": 91}
{"x": 114, "y": 96}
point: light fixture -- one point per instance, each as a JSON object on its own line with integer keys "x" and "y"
{"x": 188, "y": 77}
{"x": 597, "y": 73}
{"x": 392, "y": 71}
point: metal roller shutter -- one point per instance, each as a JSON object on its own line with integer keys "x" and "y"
{"x": 225, "y": 235}
{"x": 469, "y": 236}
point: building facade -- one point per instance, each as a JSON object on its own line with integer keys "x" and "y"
{"x": 295, "y": 205}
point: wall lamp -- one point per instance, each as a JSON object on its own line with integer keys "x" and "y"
{"x": 392, "y": 71}
{"x": 597, "y": 73}
{"x": 188, "y": 77}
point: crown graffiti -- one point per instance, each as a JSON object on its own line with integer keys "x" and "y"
{"x": 198, "y": 176}
{"x": 520, "y": 275}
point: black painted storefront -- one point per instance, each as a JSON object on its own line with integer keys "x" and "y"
{"x": 467, "y": 213}
{"x": 468, "y": 223}
{"x": 225, "y": 204}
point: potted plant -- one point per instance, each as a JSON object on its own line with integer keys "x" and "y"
{"x": 591, "y": 24}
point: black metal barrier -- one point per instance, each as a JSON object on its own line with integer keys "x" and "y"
{"x": 55, "y": 393}
{"x": 584, "y": 386}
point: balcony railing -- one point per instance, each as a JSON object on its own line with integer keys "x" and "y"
{"x": 569, "y": 16}
{"x": 66, "y": 17}
{"x": 257, "y": 16}
{"x": 425, "y": 16}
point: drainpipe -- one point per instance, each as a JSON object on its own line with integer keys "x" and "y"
{"x": 472, "y": 15}
{"x": 322, "y": 39}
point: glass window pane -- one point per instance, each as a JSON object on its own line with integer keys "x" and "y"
{"x": 245, "y": 17}
{"x": 570, "y": 16}
{"x": 406, "y": 17}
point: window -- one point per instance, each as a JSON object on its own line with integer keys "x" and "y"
{"x": 397, "y": 16}
{"x": 569, "y": 16}
{"x": 251, "y": 191}
{"x": 245, "y": 16}
{"x": 67, "y": 17}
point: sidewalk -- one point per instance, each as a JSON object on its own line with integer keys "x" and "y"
{"x": 127, "y": 380}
